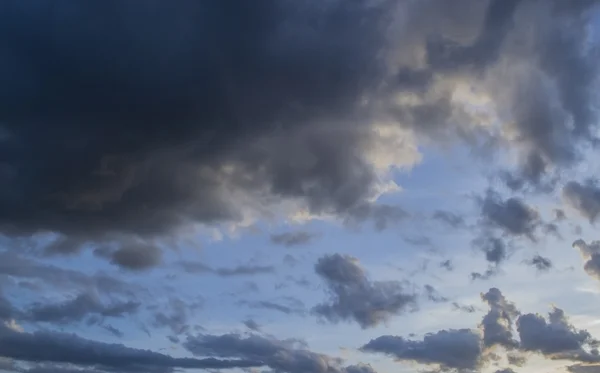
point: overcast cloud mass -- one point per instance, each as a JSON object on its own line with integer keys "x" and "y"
{"x": 337, "y": 186}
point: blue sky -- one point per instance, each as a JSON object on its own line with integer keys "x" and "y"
{"x": 342, "y": 187}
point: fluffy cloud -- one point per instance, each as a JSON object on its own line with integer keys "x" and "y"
{"x": 354, "y": 297}
{"x": 497, "y": 323}
{"x": 556, "y": 337}
{"x": 512, "y": 215}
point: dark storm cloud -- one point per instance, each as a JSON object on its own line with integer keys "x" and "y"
{"x": 591, "y": 254}
{"x": 121, "y": 119}
{"x": 555, "y": 337}
{"x": 280, "y": 355}
{"x": 242, "y": 270}
{"x": 201, "y": 89}
{"x": 69, "y": 348}
{"x": 290, "y": 239}
{"x": 585, "y": 198}
{"x": 78, "y": 309}
{"x": 512, "y": 215}
{"x": 497, "y": 324}
{"x": 540, "y": 263}
{"x": 450, "y": 349}
{"x": 354, "y": 297}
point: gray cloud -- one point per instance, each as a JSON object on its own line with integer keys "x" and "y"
{"x": 449, "y": 218}
{"x": 497, "y": 323}
{"x": 242, "y": 270}
{"x": 354, "y": 297}
{"x": 464, "y": 307}
{"x": 505, "y": 370}
{"x": 591, "y": 254}
{"x": 114, "y": 331}
{"x": 513, "y": 216}
{"x": 584, "y": 368}
{"x": 327, "y": 81}
{"x": 585, "y": 198}
{"x": 43, "y": 275}
{"x": 295, "y": 307}
{"x": 280, "y": 355}
{"x": 433, "y": 295}
{"x": 447, "y": 264}
{"x": 450, "y": 349}
{"x": 290, "y": 239}
{"x": 516, "y": 359}
{"x": 69, "y": 348}
{"x": 555, "y": 337}
{"x": 489, "y": 273}
{"x": 541, "y": 263}
{"x": 175, "y": 314}
{"x": 494, "y": 248}
{"x": 135, "y": 256}
{"x": 79, "y": 308}
{"x": 252, "y": 325}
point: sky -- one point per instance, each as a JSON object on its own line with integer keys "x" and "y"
{"x": 276, "y": 186}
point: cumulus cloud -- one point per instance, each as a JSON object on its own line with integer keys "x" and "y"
{"x": 512, "y": 215}
{"x": 290, "y": 239}
{"x": 449, "y": 349}
{"x": 354, "y": 297}
{"x": 555, "y": 337}
{"x": 497, "y": 323}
